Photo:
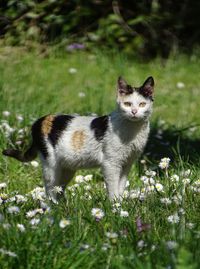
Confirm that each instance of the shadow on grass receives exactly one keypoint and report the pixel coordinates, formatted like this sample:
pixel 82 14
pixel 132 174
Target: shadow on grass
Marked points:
pixel 173 143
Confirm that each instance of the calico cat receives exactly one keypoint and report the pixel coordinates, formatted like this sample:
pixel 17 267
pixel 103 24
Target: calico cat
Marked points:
pixel 113 142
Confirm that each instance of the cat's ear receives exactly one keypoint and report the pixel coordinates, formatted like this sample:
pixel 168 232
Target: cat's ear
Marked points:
pixel 123 88
pixel 147 88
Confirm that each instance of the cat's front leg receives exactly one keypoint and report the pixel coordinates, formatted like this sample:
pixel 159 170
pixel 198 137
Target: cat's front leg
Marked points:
pixel 111 176
pixel 123 178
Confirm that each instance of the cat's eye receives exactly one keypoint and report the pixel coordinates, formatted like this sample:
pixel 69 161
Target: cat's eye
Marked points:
pixel 142 104
pixel 127 104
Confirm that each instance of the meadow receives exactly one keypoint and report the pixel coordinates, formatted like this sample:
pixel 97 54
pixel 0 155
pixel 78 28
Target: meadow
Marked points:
pixel 158 223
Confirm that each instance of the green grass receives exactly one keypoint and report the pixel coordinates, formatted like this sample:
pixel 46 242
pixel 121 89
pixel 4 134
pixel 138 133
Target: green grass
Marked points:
pixel 31 86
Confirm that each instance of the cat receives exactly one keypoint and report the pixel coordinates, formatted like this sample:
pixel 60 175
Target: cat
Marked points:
pixel 113 142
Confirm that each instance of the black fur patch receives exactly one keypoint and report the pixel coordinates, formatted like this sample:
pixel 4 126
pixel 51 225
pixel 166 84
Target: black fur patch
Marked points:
pixel 38 138
pixel 99 125
pixel 58 125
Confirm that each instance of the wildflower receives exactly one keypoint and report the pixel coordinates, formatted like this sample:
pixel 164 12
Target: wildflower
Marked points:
pixel 20 198
pixel 84 247
pixel 134 193
pixel 58 189
pixel 190 225
pixel 3 185
pixel 177 199
pixel 87 196
pixel 180 85
pixel 38 194
pixel 75 46
pixel 6 226
pixel 6 113
pixel 63 223
pixel 186 181
pixel 32 213
pixel 34 221
pixel 173 218
pixel 142 226
pixel 97 213
pixel 159 187
pixel 111 235
pixel 34 163
pixel 19 118
pixel 13 209
pixel 127 183
pixel 72 70
pixel 88 177
pixel 141 244
pixel 164 163
pixel 87 187
pixel 124 213
pixel 150 173
pixel 174 178
pixel 186 173
pixel 7 252
pixel 143 161
pixel 171 245
pixel 146 180
pixel 81 94
pixel 125 194
pixel 21 227
pixel 165 201
pixel 3 197
pixel 149 188
pixel 105 246
pixel 79 179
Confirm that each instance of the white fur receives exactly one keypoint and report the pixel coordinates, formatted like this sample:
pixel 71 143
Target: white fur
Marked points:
pixel 122 144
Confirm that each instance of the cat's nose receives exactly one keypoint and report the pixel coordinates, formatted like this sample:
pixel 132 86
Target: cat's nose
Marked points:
pixel 134 111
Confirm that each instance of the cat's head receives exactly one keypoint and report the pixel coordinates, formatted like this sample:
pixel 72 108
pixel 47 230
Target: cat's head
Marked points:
pixel 135 103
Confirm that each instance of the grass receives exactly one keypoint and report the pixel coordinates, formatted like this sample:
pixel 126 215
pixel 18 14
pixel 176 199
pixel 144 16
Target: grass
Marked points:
pixel 31 86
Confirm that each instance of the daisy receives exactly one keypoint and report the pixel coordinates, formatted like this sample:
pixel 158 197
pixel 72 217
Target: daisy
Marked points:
pixel 97 213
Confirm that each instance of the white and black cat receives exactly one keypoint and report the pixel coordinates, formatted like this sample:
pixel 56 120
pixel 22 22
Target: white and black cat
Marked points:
pixel 113 142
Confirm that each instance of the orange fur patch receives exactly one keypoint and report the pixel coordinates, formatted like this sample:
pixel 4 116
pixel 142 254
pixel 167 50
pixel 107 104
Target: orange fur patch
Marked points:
pixel 47 124
pixel 78 139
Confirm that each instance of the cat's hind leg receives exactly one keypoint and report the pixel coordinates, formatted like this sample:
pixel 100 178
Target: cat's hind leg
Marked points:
pixel 111 176
pixel 55 179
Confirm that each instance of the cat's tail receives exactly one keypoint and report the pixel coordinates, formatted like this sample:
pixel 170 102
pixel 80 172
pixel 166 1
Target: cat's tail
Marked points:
pixel 26 156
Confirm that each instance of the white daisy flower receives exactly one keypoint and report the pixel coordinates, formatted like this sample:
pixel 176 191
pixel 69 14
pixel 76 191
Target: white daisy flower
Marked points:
pixel 175 178
pixel 58 189
pixel 159 187
pixel 72 70
pixel 165 201
pixel 6 113
pixel 3 185
pixel 180 85
pixel 21 227
pixel 34 221
pixel 20 199
pixel 64 222
pixel 88 177
pixel 186 181
pixel 81 94
pixel 7 252
pixel 173 218
pixel 97 213
pixel 34 163
pixel 124 214
pixel 164 163
pixel 171 244
pixel 150 173
pixel 13 209
pixel 79 179
pixel 19 118
pixel 111 235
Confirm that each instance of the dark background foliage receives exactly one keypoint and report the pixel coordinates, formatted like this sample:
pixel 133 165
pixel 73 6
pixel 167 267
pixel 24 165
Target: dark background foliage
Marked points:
pixel 146 27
